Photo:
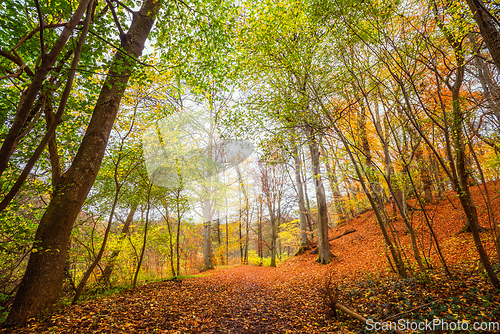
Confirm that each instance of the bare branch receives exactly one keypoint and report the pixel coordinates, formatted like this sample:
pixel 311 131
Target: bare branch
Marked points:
pixel 124 6
pixel 18 61
pixel 40 18
pixel 123 36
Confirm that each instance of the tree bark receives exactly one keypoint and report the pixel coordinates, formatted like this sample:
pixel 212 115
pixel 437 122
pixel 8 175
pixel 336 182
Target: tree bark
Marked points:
pixel 207 233
pixel 259 233
pixel 302 207
pixel 306 197
pixel 486 25
pixel 491 90
pixel 42 281
pixel 144 239
pixel 125 230
pixel 325 255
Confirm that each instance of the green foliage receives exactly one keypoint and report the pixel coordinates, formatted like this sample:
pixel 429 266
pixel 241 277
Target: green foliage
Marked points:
pixel 17 228
pixel 194 38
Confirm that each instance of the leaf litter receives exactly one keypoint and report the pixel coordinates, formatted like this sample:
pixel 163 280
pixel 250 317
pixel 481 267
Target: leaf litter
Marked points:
pixel 288 299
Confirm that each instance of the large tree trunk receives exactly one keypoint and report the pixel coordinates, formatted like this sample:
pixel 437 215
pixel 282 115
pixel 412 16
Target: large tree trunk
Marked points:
pixel 490 34
pixel 325 255
pixel 42 281
pixel 462 188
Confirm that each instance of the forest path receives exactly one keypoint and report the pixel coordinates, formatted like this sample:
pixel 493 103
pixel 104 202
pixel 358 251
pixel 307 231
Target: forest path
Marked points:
pixel 241 299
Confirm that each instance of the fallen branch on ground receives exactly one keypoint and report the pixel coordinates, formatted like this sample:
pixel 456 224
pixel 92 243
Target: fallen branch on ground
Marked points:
pixel 413 309
pixel 359 317
pixel 330 293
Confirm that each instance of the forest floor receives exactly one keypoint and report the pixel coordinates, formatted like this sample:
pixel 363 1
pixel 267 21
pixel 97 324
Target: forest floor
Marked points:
pixel 289 299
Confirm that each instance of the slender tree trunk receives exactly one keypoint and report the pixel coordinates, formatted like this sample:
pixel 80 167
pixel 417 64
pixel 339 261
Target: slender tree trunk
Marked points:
pixel 227 238
pixel 170 241
pixel 304 241
pixel 247 230
pixel 240 236
pixel 274 233
pixel 144 239
pixel 220 246
pixel 332 178
pixel 400 267
pixel 42 281
pixel 207 234
pixel 259 233
pixel 52 145
pixel 177 237
pixel 424 175
pixel 306 197
pixel 491 213
pixel 94 264
pixel 463 190
pixel 491 90
pixel 125 231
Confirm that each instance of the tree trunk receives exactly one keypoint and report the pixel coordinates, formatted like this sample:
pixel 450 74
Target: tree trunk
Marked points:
pixel 247 231
pixel 94 264
pixel 259 233
pixel 306 197
pixel 463 190
pixel 125 230
pixel 170 237
pixel 332 178
pixel 325 255
pixel 42 281
pixel 274 234
pixel 144 239
pixel 491 90
pixel 400 267
pixel 302 208
pixel 490 34
pixel 177 239
pixel 207 234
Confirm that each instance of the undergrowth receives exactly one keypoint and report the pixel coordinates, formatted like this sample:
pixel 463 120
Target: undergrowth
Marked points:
pixel 467 297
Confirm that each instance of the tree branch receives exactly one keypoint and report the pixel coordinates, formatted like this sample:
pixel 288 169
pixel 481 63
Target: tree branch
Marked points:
pixel 40 18
pixel 62 106
pixel 123 36
pixel 18 61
